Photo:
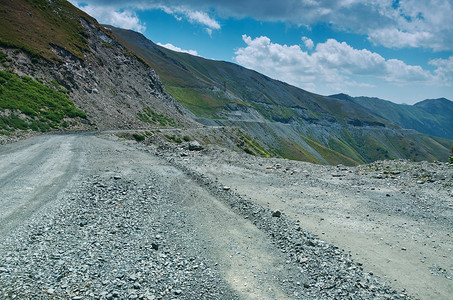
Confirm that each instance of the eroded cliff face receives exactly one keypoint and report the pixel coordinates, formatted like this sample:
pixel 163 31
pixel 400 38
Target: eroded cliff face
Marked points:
pixel 110 84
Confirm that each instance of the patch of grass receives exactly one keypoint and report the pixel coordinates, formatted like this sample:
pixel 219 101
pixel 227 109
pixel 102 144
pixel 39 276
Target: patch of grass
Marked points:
pixel 33 26
pixel 202 102
pixel 43 107
pixel 251 146
pixel 186 138
pixel 151 117
pixel 248 151
pixel 4 57
pixel 173 138
pixel 333 157
pixel 340 146
pixel 291 150
pixel 138 137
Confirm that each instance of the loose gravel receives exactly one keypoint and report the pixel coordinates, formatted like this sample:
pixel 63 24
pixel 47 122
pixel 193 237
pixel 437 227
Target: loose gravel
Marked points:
pixel 151 222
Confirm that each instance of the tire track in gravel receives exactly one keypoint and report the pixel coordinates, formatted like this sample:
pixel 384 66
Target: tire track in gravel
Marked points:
pixel 46 166
pixel 250 263
pixel 109 203
pixel 32 176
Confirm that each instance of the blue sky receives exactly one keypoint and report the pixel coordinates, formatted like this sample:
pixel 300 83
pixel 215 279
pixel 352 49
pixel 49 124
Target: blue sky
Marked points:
pixel 395 50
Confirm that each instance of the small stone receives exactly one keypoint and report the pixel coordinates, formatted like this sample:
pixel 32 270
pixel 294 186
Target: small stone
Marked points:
pixel 133 278
pixel 50 291
pixel 303 260
pixel 155 246
pixel 226 188
pixel 137 286
pixel 403 248
pixel 276 214
pixel 117 177
pixel 177 292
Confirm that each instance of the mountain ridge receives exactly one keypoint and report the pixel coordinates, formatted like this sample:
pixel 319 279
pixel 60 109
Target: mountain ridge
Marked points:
pixel 271 111
pixel 429 116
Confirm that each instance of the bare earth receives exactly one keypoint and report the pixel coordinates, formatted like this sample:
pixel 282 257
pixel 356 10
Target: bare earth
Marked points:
pixel 90 217
pixel 399 226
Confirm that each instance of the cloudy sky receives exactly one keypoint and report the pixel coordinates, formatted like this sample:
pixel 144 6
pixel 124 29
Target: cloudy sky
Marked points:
pixel 399 50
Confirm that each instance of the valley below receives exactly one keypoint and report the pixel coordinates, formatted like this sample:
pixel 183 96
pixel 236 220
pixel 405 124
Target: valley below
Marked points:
pixel 102 217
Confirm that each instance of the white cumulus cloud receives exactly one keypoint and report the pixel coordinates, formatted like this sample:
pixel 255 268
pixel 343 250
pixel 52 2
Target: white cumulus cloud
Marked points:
pixel 332 65
pixel 121 18
pixel 395 38
pixel 444 69
pixel 202 18
pixel 175 48
pixel 193 16
pixel 308 43
pixel 391 23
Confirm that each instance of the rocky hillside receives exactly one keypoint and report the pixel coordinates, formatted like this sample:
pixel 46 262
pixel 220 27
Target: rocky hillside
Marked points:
pixel 285 121
pixel 431 116
pixel 64 49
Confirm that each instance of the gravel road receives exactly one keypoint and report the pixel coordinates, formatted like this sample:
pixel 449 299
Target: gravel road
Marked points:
pixel 89 217
pixel 395 217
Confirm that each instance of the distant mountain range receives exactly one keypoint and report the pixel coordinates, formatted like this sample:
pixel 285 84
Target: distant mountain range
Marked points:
pixel 431 116
pixel 289 121
pixel 118 79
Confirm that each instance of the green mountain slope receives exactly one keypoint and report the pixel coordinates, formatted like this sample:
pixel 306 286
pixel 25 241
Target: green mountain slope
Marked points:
pixel 432 116
pixel 286 120
pixel 210 88
pixel 43 107
pixel 72 64
pixel 35 25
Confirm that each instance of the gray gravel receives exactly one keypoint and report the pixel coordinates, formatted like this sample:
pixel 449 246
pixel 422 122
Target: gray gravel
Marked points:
pixel 140 222
pixel 393 218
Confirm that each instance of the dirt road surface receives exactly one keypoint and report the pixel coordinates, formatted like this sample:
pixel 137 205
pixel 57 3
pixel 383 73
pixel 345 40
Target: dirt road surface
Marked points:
pixel 88 217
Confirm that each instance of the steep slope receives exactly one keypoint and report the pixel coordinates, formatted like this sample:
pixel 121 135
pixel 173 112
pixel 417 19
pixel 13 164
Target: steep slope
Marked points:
pixel 58 45
pixel 432 116
pixel 287 121
pixel 442 110
pixel 222 86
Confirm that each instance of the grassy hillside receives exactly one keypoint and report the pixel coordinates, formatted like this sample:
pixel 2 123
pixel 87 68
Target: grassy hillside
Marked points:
pixel 299 124
pixel 30 25
pixel 433 117
pixel 208 87
pixel 320 129
pixel 28 104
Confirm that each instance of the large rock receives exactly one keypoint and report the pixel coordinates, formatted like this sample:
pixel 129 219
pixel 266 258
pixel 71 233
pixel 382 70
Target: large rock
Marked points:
pixel 195 146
